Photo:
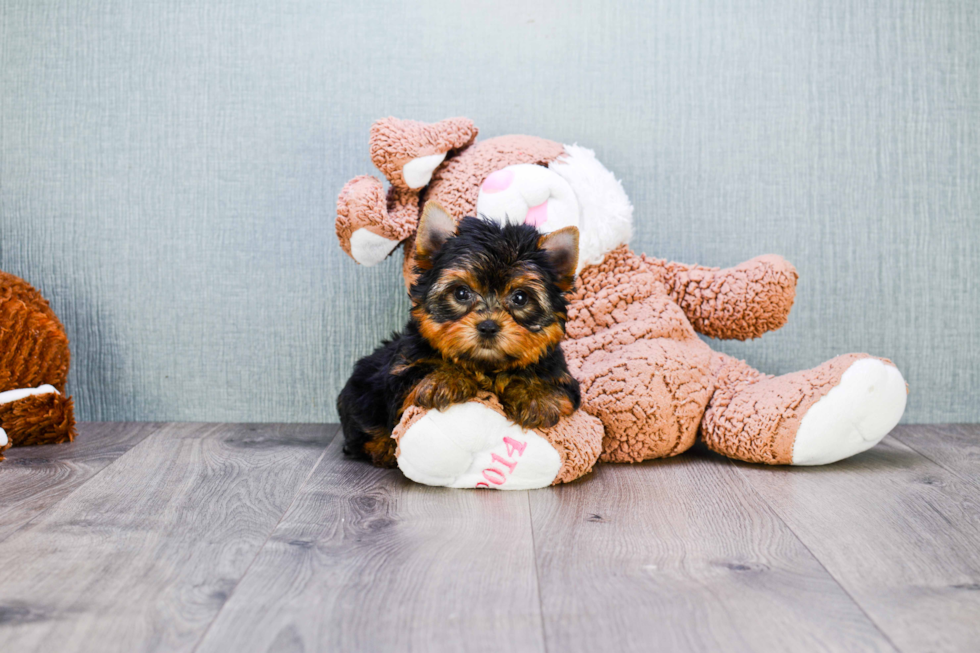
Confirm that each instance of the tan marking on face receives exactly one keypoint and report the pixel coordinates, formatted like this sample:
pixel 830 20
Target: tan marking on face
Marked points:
pixel 524 347
pixel 452 277
pixel 514 347
pixel 528 280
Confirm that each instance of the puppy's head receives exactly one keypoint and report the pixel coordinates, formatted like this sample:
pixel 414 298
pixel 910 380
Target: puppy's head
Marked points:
pixel 488 295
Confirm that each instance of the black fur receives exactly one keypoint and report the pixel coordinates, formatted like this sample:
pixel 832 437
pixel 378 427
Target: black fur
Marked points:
pixel 371 403
pixel 492 252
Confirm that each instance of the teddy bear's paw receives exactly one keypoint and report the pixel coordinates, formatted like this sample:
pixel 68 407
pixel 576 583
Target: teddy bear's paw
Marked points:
pixel 854 416
pixel 418 171
pixel 362 222
pixel 469 445
pixel 368 248
pixel 3 438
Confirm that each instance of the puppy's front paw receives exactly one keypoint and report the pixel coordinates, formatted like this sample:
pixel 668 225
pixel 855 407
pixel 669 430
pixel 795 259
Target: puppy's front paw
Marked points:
pixel 535 408
pixel 441 389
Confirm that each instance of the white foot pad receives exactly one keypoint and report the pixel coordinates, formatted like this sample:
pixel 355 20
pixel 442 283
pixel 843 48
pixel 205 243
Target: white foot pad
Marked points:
pixel 471 446
pixel 368 248
pixel 418 172
pixel 854 416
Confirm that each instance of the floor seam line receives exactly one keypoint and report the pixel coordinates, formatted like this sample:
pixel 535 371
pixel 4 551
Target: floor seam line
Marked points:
pixel 84 483
pixel 258 552
pixel 830 574
pixel 954 472
pixel 537 572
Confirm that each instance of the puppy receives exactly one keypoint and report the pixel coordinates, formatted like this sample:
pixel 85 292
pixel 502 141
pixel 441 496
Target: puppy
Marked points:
pixel 488 313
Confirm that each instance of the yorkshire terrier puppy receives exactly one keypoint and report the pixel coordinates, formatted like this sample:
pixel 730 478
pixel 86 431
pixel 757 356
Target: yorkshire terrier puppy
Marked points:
pixel 488 313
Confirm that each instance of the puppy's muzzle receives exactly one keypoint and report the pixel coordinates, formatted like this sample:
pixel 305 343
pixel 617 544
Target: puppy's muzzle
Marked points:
pixel 488 328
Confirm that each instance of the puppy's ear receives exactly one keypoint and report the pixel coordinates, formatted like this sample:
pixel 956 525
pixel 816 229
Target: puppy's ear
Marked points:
pixel 436 226
pixel 561 248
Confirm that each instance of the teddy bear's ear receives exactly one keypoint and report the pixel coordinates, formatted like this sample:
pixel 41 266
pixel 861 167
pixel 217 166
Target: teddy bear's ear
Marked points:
pixel 562 249
pixel 436 226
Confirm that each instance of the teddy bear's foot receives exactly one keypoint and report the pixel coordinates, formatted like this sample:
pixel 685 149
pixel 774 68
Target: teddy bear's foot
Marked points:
pixel 812 417
pixel 853 416
pixel 470 445
pixel 474 445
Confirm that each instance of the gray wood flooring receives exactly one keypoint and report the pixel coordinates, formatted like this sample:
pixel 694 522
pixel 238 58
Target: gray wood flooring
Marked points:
pixel 244 537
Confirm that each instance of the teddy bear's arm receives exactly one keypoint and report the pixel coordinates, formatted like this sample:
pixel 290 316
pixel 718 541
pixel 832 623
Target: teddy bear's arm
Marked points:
pixel 739 303
pixel 371 223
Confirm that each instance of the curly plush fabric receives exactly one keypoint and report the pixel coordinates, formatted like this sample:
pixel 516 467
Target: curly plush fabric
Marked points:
pixel 33 352
pixel 39 419
pixel 361 204
pixel 738 303
pixel 395 142
pixel 33 345
pixel 578 440
pixel 755 417
pixel 456 184
pixel 644 372
pixel 12 287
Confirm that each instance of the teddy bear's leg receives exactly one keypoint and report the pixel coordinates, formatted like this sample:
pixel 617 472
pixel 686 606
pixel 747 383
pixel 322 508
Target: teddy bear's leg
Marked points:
pixel 813 417
pixel 473 445
pixel 648 394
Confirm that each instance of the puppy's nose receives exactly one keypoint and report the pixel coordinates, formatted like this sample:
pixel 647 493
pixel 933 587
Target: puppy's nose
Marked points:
pixel 488 328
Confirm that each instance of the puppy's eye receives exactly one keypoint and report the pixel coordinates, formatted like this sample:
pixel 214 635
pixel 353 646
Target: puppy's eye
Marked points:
pixel 519 298
pixel 462 294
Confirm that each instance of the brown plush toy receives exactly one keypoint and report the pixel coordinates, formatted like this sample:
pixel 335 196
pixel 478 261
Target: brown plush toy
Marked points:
pixel 650 385
pixel 34 361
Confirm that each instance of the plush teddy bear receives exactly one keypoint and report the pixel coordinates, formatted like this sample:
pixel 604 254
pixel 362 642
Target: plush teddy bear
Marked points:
pixel 649 383
pixel 34 361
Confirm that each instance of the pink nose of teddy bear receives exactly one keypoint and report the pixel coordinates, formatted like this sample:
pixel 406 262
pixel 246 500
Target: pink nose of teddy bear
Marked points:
pixel 498 181
pixel 537 215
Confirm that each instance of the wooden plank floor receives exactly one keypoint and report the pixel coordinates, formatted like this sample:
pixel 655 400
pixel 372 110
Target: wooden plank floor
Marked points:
pixel 237 537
